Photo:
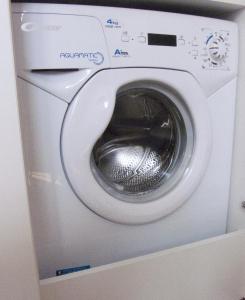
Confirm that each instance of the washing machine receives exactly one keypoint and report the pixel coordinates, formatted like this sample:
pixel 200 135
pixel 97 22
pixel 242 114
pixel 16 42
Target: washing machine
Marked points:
pixel 127 126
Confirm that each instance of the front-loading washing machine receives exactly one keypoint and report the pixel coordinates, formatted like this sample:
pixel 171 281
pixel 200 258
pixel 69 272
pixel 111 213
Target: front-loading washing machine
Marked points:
pixel 127 125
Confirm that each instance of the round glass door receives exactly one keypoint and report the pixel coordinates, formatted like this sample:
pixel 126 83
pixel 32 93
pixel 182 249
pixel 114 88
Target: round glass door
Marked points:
pixel 146 148
pixel 135 143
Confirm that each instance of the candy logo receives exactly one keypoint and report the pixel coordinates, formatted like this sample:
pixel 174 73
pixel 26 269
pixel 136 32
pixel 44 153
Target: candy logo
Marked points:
pixel 29 26
pixel 96 57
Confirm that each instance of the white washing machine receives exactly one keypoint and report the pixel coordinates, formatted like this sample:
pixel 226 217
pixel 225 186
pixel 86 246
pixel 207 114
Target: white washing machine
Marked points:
pixel 127 123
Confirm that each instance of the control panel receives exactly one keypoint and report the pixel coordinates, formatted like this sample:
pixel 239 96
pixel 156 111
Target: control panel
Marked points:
pixel 211 49
pixel 206 48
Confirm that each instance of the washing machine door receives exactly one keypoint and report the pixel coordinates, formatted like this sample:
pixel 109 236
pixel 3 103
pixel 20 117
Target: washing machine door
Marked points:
pixel 135 143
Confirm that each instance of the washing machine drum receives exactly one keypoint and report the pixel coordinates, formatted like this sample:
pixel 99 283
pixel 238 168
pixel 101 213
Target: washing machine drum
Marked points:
pixel 143 145
pixel 135 143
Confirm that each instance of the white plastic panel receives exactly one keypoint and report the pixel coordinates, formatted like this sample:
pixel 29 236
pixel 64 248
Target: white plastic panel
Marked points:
pixel 63 84
pixel 123 34
pixel 128 44
pixel 211 269
pixel 56 41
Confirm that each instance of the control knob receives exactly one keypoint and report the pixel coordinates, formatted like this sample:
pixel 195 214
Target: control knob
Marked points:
pixel 217 49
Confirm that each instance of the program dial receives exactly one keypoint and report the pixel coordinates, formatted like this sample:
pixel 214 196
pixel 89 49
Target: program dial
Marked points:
pixel 217 48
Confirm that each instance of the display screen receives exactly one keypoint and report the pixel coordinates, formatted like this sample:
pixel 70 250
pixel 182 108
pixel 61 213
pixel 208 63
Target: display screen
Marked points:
pixel 162 39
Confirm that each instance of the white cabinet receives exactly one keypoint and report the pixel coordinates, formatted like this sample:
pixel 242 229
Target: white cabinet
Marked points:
pixel 18 278
pixel 211 269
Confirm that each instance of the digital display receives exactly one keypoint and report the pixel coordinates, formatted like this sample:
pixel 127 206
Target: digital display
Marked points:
pixel 155 39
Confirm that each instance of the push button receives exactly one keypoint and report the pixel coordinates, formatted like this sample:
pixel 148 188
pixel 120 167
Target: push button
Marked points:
pixel 141 39
pixel 181 42
pixel 125 37
pixel 195 43
pixel 194 53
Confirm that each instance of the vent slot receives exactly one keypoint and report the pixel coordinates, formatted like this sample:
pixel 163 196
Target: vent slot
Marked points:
pixel 54 70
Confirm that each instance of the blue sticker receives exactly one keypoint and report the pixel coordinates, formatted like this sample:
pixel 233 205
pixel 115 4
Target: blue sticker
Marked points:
pixel 71 270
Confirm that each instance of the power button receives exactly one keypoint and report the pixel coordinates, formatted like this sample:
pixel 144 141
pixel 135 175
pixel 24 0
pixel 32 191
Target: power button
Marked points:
pixel 141 39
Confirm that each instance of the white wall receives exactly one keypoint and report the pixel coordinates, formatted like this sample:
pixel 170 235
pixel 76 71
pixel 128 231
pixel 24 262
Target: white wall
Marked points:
pixel 237 213
pixel 18 272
